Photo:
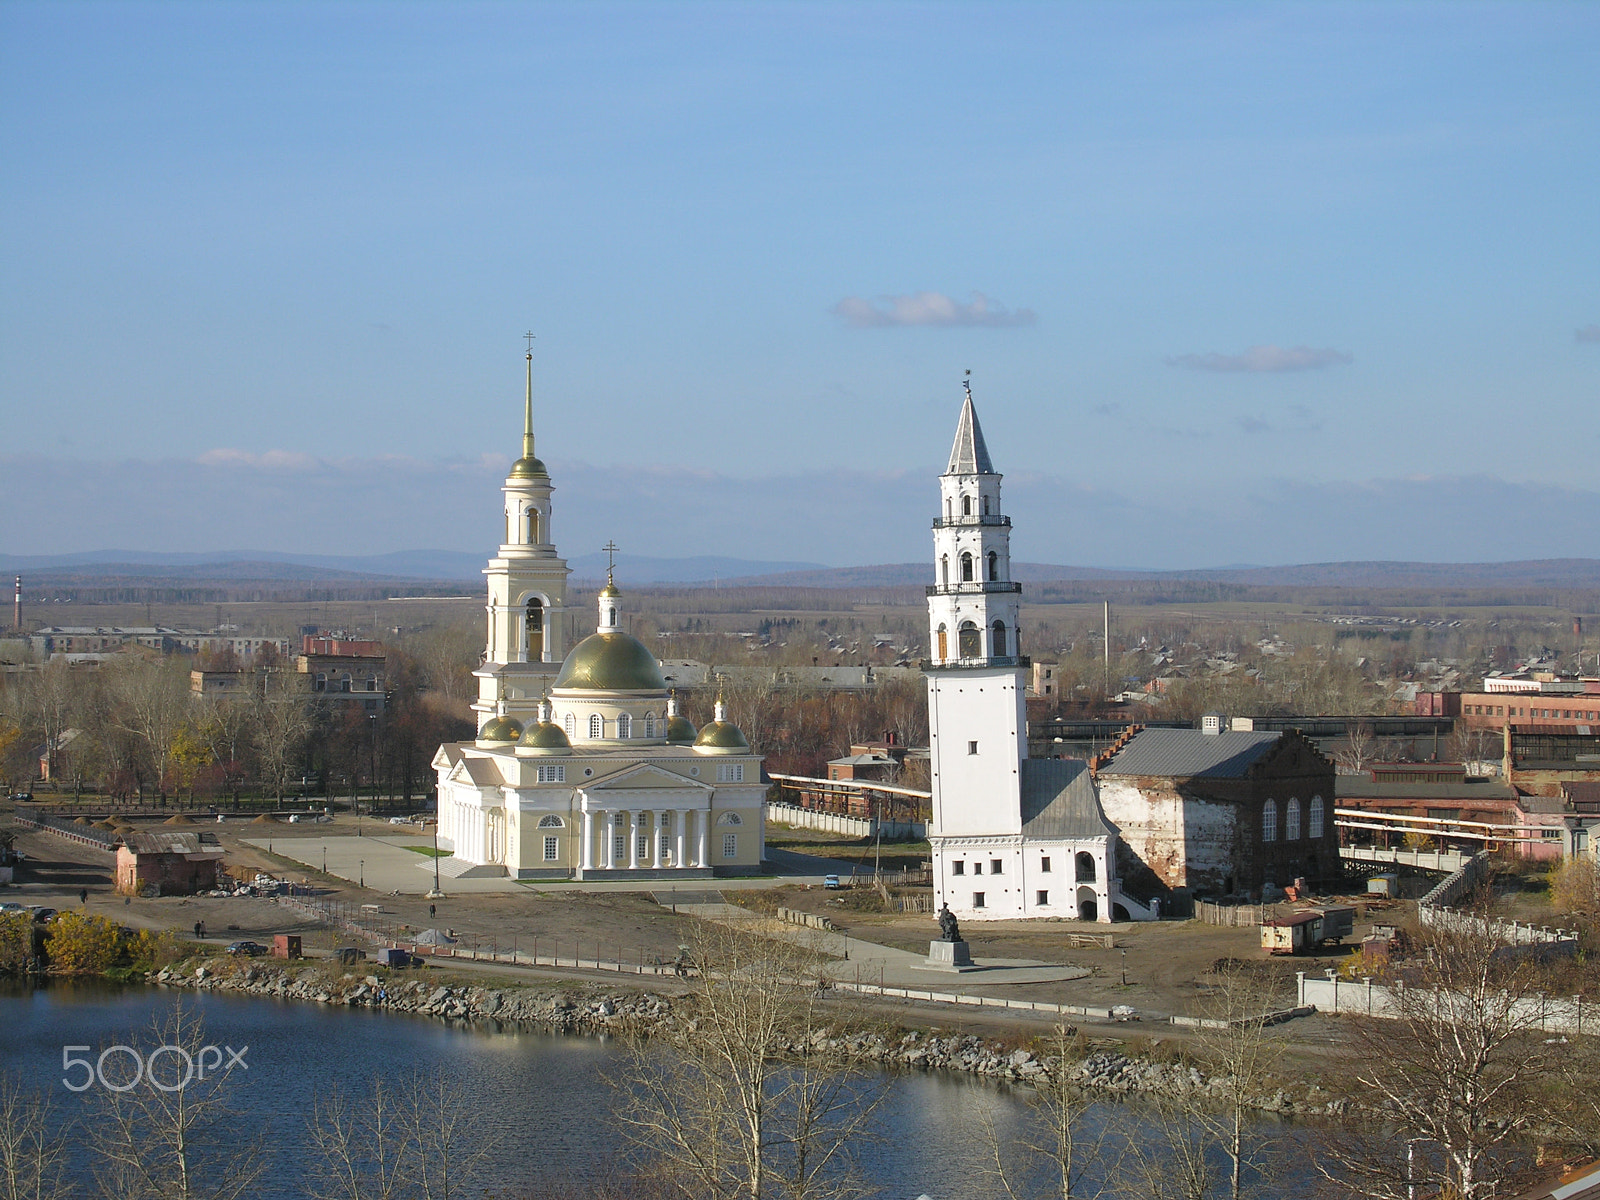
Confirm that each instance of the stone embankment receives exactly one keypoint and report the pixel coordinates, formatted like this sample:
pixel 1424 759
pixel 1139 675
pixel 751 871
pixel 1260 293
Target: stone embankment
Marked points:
pixel 599 1011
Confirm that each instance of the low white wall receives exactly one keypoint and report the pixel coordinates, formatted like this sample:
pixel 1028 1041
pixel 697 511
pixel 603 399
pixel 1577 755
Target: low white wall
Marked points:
pixel 808 818
pixel 1559 1015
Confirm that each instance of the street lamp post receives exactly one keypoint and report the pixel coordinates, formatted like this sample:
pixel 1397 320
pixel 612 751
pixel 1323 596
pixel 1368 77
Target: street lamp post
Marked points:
pixel 373 718
pixel 362 869
pixel 437 893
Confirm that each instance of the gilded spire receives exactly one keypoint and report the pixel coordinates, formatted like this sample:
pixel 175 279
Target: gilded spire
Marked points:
pixel 528 467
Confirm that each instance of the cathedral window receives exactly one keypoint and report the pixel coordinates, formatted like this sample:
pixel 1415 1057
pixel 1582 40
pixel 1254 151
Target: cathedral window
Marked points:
pixel 966 568
pixel 966 506
pixel 624 725
pixel 986 506
pixel 649 725
pixel 1269 821
pixel 731 818
pixel 730 772
pixel 1085 865
pixel 619 847
pixel 1291 821
pixel 944 569
pixel 944 644
pixel 611 616
pixel 552 773
pixel 994 567
pixel 666 846
pixel 533 623
pixel 533 526
pixel 730 845
pixel 1314 818
pixel 999 639
pixel 552 849
pixel 597 727
pixel 571 725
pixel 643 845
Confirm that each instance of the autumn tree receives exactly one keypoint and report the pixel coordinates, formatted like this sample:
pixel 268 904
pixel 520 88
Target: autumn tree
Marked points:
pixel 81 943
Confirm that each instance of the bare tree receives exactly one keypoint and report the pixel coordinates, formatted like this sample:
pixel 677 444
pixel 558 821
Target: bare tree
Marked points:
pixel 282 722
pixel 740 1102
pixel 1458 1070
pixel 152 702
pixel 173 1135
pixel 33 1145
pixel 1359 749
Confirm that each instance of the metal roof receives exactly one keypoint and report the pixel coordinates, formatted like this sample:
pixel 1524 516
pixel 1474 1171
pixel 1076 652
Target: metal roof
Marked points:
pixel 968 455
pixel 1188 752
pixel 1059 800
pixel 1359 787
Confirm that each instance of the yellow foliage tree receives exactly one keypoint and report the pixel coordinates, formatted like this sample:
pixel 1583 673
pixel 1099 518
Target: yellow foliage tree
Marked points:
pixel 16 941
pixel 81 944
pixel 189 753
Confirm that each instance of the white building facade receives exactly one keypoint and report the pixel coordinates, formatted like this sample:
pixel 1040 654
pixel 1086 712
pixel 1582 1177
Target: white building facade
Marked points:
pixel 1011 836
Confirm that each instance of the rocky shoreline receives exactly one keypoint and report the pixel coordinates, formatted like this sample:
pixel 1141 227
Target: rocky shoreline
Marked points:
pixel 596 1010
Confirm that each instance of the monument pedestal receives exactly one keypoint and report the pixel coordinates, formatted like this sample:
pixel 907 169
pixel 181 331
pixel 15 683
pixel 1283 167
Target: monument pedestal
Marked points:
pixel 949 956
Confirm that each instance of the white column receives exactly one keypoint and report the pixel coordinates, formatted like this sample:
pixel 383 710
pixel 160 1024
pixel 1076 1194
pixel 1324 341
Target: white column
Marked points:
pixel 654 857
pixel 705 826
pixel 588 840
pixel 633 841
pixel 607 851
pixel 681 817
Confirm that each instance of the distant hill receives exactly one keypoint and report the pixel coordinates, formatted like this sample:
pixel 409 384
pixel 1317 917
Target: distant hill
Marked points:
pixel 457 566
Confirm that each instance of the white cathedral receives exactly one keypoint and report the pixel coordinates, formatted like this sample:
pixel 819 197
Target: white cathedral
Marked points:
pixel 583 767
pixel 1011 836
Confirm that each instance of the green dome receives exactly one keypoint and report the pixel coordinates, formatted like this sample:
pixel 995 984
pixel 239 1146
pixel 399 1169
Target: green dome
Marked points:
pixel 546 736
pixel 680 731
pixel 500 729
pixel 611 662
pixel 722 737
pixel 528 468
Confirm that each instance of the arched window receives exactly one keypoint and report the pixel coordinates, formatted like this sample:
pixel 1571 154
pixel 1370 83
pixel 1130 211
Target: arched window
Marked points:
pixel 1084 861
pixel 1314 819
pixel 571 725
pixel 533 526
pixel 597 727
pixel 994 567
pixel 966 568
pixel 1269 821
pixel 729 819
pixel 625 725
pixel 944 644
pixel 551 822
pixel 969 640
pixel 999 650
pixel 966 506
pixel 947 508
pixel 649 725
pixel 944 568
pixel 611 616
pixel 535 627
pixel 986 506
pixel 1291 821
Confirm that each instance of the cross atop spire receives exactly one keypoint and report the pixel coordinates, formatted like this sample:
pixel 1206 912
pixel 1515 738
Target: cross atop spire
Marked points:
pixel 527 404
pixel 969 456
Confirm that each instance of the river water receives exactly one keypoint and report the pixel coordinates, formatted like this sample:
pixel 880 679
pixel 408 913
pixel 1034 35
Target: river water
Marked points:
pixel 548 1090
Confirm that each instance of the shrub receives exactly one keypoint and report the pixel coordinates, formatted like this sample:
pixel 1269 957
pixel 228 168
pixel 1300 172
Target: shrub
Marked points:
pixel 81 944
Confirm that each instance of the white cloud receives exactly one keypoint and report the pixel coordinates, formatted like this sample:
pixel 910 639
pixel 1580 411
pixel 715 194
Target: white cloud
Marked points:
pixel 272 460
pixel 1264 358
pixel 1589 333
pixel 930 308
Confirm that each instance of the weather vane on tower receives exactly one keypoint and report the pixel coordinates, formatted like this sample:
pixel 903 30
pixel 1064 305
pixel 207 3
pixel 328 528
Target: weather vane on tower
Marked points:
pixel 532 339
pixel 967 383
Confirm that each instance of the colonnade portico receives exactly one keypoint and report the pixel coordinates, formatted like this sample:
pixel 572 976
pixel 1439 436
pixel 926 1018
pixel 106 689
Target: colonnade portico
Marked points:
pixel 633 827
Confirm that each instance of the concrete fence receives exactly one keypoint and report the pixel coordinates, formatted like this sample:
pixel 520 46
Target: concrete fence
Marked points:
pixel 864 827
pixel 1515 933
pixel 1365 998
pixel 84 835
pixel 793 916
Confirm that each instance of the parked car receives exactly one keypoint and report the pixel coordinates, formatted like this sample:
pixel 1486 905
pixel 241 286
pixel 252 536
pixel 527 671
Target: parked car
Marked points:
pixel 247 949
pixel 11 907
pixel 41 913
pixel 831 882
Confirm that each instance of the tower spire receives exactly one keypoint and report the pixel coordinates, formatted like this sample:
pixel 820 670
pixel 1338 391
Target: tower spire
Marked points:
pixel 527 405
pixel 969 455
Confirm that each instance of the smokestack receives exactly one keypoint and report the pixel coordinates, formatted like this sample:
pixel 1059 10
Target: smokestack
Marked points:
pixel 16 607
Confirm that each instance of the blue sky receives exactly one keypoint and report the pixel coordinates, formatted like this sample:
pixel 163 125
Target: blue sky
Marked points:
pixel 1237 283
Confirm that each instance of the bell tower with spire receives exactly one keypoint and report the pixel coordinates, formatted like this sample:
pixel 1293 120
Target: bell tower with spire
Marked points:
pixel 977 719
pixel 527 589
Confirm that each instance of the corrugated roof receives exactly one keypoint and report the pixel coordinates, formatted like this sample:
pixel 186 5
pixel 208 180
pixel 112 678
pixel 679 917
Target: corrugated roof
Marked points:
pixel 1059 800
pixel 153 842
pixel 1188 752
pixel 1359 787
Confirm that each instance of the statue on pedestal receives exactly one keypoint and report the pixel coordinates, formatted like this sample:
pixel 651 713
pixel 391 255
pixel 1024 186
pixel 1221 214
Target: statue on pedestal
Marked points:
pixel 948 929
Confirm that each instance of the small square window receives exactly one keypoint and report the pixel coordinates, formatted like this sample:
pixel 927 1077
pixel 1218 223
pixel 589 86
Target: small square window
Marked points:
pixel 958 867
pixel 977 899
pixel 1044 897
pixel 972 747
pixel 977 868
pixel 1044 864
pixel 995 866
pixel 551 849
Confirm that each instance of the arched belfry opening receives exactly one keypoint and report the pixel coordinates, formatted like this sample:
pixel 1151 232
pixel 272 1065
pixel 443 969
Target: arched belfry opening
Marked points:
pixel 999 650
pixel 534 623
pixel 994 567
pixel 533 526
pixel 944 643
pixel 969 640
pixel 966 568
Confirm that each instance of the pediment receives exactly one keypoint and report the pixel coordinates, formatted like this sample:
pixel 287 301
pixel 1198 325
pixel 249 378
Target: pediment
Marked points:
pixel 644 776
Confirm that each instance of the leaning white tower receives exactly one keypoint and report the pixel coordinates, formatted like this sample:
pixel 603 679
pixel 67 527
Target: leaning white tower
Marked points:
pixel 527 615
pixel 976 714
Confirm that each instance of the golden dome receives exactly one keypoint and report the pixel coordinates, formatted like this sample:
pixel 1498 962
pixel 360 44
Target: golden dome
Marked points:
pixel 500 729
pixel 546 737
pixel 722 737
pixel 611 662
pixel 680 730
pixel 528 468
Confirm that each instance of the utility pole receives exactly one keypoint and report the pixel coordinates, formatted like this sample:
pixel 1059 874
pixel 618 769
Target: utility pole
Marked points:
pixel 1107 647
